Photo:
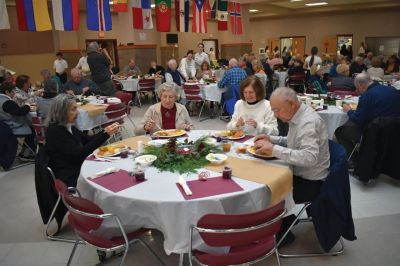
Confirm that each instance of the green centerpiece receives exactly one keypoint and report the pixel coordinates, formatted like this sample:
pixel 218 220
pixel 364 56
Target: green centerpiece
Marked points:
pixel 183 157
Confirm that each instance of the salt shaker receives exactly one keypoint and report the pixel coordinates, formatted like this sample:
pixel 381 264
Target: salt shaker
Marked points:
pixel 140 146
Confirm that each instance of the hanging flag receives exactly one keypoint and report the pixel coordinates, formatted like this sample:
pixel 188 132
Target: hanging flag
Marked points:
pixel 65 15
pixel 4 22
pixel 120 6
pixel 98 17
pixel 182 15
pixel 33 15
pixel 213 5
pixel 141 12
pixel 235 18
pixel 163 15
pixel 199 23
pixel 222 15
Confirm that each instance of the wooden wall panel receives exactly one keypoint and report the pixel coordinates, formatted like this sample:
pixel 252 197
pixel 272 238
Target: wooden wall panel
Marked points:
pixel 142 54
pixel 14 41
pixel 167 53
pixel 235 49
pixel 72 57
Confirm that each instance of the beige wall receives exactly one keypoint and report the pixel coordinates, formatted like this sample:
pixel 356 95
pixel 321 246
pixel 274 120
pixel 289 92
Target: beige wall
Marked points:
pixel 315 28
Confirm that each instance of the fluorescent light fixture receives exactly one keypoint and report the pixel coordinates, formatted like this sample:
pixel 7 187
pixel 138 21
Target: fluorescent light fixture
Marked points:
pixel 254 10
pixel 317 4
pixel 296 0
pixel 152 5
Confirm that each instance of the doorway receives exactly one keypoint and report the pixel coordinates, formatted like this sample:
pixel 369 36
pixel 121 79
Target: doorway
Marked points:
pixel 111 46
pixel 344 41
pixel 295 45
pixel 211 43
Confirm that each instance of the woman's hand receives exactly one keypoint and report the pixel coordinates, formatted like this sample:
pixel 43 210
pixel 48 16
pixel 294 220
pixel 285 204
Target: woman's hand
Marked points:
pixel 185 127
pixel 112 129
pixel 240 122
pixel 251 122
pixel 149 125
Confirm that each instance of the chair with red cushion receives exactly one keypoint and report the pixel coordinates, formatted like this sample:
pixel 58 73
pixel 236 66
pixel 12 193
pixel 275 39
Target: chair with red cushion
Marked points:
pixel 193 94
pixel 87 218
pixel 297 80
pixel 115 113
pixel 146 85
pixel 250 236
pixel 40 129
pixel 343 91
pixel 126 98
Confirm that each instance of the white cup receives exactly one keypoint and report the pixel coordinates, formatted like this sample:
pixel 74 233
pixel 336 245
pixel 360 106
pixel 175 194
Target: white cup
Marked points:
pixel 140 146
pixel 308 101
pixel 339 103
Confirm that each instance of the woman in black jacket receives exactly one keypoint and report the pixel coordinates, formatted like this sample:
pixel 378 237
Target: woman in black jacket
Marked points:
pixel 66 146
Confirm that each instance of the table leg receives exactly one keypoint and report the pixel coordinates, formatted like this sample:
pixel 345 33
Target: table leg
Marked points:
pixel 181 257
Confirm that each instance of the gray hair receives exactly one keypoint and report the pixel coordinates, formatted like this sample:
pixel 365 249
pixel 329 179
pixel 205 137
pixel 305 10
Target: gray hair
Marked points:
pixel 285 93
pixel 58 112
pixel 362 79
pixel 233 62
pixel 167 86
pixel 45 73
pixel 92 47
pixel 172 61
pixel 50 86
pixel 76 71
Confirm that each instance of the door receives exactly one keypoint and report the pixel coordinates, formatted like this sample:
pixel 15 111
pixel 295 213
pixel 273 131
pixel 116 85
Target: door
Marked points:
pixel 211 44
pixel 295 45
pixel 111 46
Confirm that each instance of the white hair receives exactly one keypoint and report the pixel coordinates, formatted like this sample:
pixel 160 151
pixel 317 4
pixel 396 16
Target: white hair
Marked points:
pixel 171 61
pixel 167 86
pixel 285 93
pixel 362 79
pixel 233 62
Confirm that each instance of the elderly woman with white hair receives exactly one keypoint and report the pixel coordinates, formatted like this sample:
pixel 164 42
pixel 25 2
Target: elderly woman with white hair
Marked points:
pixel 167 114
pixel 172 75
pixel 342 80
pixel 66 146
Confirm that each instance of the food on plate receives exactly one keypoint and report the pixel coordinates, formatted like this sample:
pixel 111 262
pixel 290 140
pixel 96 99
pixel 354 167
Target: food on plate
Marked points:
pixel 241 149
pixel 170 133
pixel 233 134
pixel 252 150
pixel 109 150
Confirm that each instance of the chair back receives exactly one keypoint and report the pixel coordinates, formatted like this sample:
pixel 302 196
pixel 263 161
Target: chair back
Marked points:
pixel 192 92
pixel 343 91
pixel 126 98
pixel 239 229
pixel 232 96
pixel 39 128
pixel 146 84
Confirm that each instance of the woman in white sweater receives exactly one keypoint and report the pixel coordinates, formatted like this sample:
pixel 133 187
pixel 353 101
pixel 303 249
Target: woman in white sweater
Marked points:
pixel 253 113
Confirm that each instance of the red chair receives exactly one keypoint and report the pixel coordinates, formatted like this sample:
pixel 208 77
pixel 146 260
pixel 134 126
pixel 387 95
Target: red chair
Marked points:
pixel 251 236
pixel 343 91
pixel 146 85
pixel 40 129
pixel 87 218
pixel 193 94
pixel 115 113
pixel 126 98
pixel 297 80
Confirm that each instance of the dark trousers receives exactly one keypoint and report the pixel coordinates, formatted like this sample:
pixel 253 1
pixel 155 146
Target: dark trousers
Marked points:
pixel 107 88
pixel 348 136
pixel 63 77
pixel 305 190
pixel 30 140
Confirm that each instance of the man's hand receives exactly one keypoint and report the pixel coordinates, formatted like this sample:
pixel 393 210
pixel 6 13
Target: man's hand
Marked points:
pixel 346 108
pixel 262 137
pixel 264 147
pixel 84 90
pixel 240 122
pixel 251 122
pixel 112 129
pixel 70 92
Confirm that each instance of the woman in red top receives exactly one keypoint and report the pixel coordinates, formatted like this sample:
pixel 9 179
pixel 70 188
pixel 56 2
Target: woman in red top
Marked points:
pixel 167 114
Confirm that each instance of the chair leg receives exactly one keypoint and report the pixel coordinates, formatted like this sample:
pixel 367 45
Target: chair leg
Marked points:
pixel 151 251
pixel 138 98
pixel 277 257
pixel 317 254
pixel 181 256
pixel 72 252
pixel 124 256
pixel 353 151
pixel 201 110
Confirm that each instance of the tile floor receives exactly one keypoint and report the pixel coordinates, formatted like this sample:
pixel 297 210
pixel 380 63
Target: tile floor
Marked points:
pixel 376 212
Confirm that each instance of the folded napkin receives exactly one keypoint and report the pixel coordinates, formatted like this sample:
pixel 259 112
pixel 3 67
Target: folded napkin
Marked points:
pixel 182 182
pixel 106 172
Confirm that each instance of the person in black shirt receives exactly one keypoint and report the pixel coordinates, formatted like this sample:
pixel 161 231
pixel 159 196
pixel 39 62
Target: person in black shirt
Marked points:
pixel 357 66
pixel 156 69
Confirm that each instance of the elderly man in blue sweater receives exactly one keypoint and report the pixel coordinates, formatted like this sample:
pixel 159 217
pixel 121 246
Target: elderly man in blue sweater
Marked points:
pixel 375 101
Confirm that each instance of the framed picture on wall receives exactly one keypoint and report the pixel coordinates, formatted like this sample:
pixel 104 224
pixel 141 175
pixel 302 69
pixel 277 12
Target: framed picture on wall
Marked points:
pixel 261 50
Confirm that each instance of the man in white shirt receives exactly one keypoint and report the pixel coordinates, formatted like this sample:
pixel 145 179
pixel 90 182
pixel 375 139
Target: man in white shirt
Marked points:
pixel 201 56
pixel 60 66
pixel 305 148
pixel 187 67
pixel 83 64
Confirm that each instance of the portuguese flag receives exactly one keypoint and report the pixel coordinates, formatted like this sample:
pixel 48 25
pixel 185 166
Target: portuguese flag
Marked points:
pixel 163 15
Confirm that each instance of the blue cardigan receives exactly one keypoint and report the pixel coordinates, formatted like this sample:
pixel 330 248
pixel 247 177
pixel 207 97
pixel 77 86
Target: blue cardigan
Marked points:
pixel 377 101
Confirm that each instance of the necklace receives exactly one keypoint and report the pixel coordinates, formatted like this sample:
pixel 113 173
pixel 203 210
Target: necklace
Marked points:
pixel 167 114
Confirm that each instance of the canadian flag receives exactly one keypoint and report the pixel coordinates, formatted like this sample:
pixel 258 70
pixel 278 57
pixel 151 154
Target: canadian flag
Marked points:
pixel 141 12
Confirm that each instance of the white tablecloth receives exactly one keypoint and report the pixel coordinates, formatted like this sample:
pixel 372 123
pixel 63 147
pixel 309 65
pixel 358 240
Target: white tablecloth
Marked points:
pixel 334 118
pixel 157 203
pixel 131 84
pixel 209 92
pixel 282 75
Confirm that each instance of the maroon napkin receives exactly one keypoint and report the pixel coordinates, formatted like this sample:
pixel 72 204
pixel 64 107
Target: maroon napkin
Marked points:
pixel 247 137
pixel 116 182
pixel 213 186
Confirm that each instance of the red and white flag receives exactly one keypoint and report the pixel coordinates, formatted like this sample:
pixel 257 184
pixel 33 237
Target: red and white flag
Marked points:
pixel 235 18
pixel 199 23
pixel 141 12
pixel 4 21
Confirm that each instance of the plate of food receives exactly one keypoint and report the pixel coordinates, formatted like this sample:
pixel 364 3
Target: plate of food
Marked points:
pixel 169 133
pixel 231 134
pixel 109 150
pixel 252 151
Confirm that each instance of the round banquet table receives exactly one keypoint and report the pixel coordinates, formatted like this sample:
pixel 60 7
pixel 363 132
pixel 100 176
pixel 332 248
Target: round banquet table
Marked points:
pixel 158 204
pixel 334 118
pixel 131 84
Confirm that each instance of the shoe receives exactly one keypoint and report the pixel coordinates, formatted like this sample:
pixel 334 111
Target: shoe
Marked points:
pixel 289 239
pixel 29 158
